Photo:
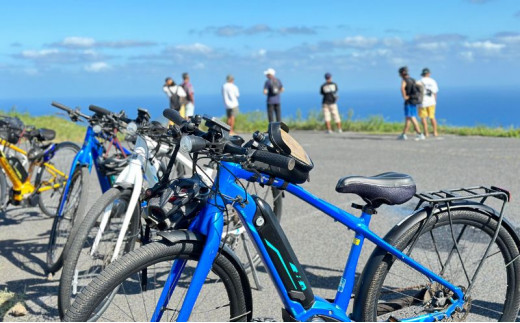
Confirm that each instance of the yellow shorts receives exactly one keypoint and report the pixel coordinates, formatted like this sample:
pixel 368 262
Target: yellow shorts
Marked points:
pixel 427 112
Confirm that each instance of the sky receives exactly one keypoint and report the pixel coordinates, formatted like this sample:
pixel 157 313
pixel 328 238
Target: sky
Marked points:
pixel 127 48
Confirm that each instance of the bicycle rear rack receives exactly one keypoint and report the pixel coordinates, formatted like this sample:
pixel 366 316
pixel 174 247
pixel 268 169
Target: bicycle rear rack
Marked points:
pixel 445 198
pixel 459 194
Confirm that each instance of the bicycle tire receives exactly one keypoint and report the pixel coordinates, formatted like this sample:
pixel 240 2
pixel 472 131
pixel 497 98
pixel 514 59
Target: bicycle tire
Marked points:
pixel 3 191
pixel 381 263
pixel 83 239
pixel 50 205
pixel 116 274
pixel 71 214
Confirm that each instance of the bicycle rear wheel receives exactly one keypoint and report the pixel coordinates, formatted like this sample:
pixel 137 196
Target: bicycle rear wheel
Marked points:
pixel 134 283
pixel 62 161
pixel 396 291
pixel 63 226
pixel 90 250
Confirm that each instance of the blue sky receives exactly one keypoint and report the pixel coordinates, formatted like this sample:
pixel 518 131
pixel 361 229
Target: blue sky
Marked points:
pixel 127 48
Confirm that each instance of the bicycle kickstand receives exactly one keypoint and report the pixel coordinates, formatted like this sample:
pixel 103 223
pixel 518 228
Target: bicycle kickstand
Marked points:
pixel 251 263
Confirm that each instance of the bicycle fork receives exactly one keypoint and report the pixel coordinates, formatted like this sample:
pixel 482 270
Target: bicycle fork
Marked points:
pixel 211 225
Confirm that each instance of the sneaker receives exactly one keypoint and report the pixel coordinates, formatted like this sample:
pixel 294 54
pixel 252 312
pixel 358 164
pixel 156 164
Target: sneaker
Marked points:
pixel 340 131
pixel 402 137
pixel 328 131
pixel 420 137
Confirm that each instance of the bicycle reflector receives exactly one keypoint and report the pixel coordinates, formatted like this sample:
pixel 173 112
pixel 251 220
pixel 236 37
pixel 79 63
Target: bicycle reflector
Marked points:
pixel 509 197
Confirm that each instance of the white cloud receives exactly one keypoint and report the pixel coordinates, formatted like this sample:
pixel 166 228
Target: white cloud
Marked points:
pixel 39 53
pixel 97 67
pixel 393 42
pixel 485 45
pixel 196 48
pixel 357 42
pixel 433 46
pixel 78 42
pixel 468 56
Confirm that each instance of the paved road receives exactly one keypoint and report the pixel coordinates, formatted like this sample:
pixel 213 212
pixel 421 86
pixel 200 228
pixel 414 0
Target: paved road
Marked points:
pixel 321 245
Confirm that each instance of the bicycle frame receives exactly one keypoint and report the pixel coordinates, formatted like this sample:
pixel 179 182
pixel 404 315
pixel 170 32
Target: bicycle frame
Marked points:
pixel 88 155
pixel 210 222
pixel 22 189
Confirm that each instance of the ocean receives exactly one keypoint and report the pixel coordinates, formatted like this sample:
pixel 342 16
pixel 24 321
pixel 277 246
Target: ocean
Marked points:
pixel 455 106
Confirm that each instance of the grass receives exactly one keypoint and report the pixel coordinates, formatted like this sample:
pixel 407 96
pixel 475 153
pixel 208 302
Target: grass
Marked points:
pixel 65 129
pixel 252 121
pixel 256 120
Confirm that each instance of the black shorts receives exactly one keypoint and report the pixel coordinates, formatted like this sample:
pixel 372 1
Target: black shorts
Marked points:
pixel 231 112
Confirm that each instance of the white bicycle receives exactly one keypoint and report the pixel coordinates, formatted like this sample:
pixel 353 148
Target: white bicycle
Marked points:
pixel 119 219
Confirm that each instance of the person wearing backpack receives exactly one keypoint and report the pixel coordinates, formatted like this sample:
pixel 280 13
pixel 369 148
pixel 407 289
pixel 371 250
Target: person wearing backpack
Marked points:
pixel 272 88
pixel 175 93
pixel 427 108
pixel 412 95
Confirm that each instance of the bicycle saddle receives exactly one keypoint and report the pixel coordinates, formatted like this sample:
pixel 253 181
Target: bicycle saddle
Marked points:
pixel 387 188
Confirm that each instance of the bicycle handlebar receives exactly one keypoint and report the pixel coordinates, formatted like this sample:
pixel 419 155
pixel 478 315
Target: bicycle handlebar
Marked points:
pixel 273 159
pixel 62 107
pixel 100 110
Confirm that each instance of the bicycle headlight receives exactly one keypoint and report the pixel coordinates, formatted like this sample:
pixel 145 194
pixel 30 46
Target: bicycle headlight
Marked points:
pixel 186 144
pixel 97 128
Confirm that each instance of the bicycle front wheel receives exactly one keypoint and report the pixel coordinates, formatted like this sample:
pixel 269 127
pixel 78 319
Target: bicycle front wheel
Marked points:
pixel 51 181
pixel 134 283
pixel 92 247
pixel 396 291
pixel 63 225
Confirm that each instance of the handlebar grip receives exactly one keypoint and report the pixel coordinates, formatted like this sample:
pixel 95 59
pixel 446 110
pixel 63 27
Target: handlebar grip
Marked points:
pixel 234 149
pixel 61 106
pixel 274 159
pixel 193 144
pixel 96 109
pixel 174 116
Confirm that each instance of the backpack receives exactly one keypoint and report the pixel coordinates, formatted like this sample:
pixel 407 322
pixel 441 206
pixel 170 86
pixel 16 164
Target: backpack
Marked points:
pixel 275 86
pixel 416 91
pixel 11 129
pixel 175 100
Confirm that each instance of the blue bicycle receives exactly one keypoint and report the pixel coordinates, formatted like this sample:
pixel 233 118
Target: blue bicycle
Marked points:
pixel 454 258
pixel 102 131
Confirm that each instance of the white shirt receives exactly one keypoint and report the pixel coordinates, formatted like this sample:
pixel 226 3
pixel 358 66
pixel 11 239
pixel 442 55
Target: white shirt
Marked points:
pixel 429 92
pixel 169 90
pixel 230 94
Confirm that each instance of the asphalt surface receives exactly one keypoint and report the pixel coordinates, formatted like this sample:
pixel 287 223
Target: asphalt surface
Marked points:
pixel 321 244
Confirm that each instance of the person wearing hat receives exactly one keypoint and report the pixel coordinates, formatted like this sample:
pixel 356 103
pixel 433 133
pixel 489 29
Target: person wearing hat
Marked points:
pixel 175 93
pixel 429 101
pixel 230 94
pixel 410 92
pixel 272 88
pixel 329 90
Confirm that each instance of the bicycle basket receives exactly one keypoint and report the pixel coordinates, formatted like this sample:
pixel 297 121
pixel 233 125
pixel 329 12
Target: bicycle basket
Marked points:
pixel 11 129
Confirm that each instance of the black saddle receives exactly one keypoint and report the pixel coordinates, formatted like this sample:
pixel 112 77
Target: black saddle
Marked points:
pixel 387 188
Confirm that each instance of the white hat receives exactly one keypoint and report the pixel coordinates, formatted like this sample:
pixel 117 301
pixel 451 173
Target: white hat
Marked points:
pixel 270 71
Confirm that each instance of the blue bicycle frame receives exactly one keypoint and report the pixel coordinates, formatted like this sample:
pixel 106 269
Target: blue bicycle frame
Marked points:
pixel 210 222
pixel 88 155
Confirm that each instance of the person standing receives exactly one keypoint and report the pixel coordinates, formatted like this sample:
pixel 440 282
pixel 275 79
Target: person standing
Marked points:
pixel 329 90
pixel 272 88
pixel 230 94
pixel 175 93
pixel 411 93
pixel 429 101
pixel 190 99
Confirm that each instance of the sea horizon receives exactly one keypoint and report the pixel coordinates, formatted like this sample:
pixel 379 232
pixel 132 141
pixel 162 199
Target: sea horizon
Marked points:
pixel 493 107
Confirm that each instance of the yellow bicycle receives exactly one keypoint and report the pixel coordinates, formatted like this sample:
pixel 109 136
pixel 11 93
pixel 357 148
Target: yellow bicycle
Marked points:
pixel 36 176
